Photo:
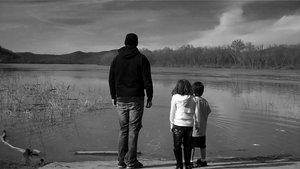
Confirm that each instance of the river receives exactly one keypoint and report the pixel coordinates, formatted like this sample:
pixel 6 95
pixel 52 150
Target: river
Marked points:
pixel 254 113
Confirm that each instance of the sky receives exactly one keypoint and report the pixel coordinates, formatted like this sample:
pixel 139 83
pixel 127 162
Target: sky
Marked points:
pixel 64 26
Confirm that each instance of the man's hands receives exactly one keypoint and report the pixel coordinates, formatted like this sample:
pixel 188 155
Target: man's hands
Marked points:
pixel 114 102
pixel 148 104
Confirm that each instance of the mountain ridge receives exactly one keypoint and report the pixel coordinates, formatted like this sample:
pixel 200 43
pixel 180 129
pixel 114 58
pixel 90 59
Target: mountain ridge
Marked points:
pixel 77 57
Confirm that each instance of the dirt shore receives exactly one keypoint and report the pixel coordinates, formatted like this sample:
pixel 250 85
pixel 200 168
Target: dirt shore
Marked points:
pixel 275 164
pixel 268 162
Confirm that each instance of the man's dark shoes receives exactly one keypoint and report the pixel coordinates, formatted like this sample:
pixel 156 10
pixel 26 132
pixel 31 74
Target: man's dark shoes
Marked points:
pixel 200 163
pixel 136 165
pixel 121 165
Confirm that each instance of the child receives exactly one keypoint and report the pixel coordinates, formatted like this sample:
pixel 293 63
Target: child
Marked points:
pixel 202 111
pixel 181 121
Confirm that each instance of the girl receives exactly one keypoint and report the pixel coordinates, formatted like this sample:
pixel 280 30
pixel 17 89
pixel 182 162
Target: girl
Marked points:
pixel 181 121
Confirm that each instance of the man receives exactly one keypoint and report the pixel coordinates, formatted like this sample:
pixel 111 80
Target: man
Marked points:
pixel 129 76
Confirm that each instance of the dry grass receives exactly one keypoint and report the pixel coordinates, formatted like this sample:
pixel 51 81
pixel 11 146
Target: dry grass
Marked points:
pixel 43 102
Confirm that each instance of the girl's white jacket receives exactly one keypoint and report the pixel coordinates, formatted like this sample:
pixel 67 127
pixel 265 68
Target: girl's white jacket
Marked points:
pixel 182 110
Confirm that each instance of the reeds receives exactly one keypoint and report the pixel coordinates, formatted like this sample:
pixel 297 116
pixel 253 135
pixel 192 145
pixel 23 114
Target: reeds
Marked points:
pixel 42 102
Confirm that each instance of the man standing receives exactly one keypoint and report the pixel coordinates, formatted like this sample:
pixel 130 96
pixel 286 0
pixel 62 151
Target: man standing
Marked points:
pixel 129 76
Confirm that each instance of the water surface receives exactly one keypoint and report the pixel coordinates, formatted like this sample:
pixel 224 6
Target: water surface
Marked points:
pixel 254 113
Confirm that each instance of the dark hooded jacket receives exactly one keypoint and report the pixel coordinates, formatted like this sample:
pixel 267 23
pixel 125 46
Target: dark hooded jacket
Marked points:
pixel 130 74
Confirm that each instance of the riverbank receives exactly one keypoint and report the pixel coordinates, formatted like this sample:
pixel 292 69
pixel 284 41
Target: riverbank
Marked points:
pixel 279 163
pixel 267 162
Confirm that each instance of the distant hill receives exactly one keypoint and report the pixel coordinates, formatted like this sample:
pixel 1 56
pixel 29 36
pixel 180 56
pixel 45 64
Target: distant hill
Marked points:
pixel 79 57
pixel 6 55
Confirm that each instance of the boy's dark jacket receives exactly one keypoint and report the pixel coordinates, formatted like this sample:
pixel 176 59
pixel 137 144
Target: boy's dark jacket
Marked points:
pixel 130 74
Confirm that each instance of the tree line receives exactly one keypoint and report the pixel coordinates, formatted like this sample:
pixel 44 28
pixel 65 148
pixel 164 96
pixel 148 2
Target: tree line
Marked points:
pixel 237 54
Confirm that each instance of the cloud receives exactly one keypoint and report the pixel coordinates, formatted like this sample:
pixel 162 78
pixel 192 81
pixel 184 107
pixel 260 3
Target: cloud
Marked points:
pixel 288 23
pixel 234 25
pixel 41 25
pixel 102 23
pixel 10 26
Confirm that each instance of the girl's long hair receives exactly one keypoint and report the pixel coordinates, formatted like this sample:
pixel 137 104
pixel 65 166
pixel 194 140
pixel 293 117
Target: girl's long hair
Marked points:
pixel 183 87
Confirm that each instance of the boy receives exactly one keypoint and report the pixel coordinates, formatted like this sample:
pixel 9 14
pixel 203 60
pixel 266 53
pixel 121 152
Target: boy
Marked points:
pixel 202 111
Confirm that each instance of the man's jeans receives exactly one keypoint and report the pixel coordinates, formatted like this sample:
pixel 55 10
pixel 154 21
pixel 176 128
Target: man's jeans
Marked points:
pixel 130 119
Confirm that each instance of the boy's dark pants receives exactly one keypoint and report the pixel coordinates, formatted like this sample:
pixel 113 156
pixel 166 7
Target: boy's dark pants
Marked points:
pixel 182 135
pixel 130 119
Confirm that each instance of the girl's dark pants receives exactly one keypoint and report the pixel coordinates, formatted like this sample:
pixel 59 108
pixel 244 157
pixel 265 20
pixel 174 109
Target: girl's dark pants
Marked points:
pixel 182 135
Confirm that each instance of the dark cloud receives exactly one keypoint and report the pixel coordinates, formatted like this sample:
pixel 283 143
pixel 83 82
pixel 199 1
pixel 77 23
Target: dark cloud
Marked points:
pixel 200 5
pixel 167 18
pixel 72 21
pixel 194 11
pixel 271 9
pixel 32 1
